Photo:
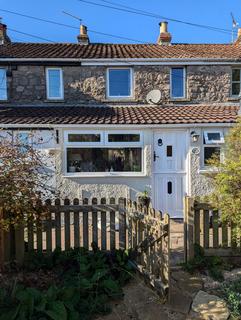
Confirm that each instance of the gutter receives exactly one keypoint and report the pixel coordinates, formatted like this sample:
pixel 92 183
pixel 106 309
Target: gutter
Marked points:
pixel 124 61
pixel 114 126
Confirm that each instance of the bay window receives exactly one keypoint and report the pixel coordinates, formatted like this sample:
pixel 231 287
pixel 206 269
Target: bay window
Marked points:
pixel 103 152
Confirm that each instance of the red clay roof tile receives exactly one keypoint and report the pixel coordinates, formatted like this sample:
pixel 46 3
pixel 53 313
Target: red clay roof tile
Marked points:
pixel 138 115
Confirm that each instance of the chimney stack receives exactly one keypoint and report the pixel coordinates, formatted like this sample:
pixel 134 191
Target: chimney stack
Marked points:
pixel 165 37
pixel 83 37
pixel 239 35
pixel 4 38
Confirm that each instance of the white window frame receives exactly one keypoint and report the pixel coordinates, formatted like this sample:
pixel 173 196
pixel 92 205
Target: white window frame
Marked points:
pixel 61 97
pixel 93 143
pixel 131 143
pixel 131 83
pixel 235 95
pixel 103 144
pixel 208 141
pixel 212 143
pixel 5 86
pixel 184 83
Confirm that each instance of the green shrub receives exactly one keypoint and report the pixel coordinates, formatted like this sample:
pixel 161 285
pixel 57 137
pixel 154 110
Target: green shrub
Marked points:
pixel 214 265
pixel 232 294
pixel 88 280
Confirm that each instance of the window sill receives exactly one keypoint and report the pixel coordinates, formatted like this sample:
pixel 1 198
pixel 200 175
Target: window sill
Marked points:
pixel 55 100
pixel 180 99
pixel 104 175
pixel 124 99
pixel 207 170
pixel 234 98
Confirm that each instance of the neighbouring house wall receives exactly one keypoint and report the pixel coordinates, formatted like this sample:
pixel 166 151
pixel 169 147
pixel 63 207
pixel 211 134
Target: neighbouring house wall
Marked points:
pixel 87 84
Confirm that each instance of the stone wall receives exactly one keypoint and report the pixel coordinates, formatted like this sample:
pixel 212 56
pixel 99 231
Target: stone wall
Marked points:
pixel 87 84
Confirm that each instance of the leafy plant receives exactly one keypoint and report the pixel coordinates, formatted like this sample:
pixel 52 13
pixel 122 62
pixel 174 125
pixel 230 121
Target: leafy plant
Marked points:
pixel 214 265
pixel 226 179
pixel 88 280
pixel 232 294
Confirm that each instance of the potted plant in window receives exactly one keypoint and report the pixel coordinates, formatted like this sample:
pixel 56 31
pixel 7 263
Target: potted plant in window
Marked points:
pixel 144 198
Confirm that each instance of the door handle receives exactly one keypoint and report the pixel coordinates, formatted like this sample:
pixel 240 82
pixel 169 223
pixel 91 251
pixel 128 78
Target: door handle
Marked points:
pixel 155 156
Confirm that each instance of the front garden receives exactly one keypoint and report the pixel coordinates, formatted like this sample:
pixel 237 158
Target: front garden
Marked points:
pixel 75 284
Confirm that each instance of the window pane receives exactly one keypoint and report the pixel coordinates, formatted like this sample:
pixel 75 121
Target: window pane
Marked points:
pixel 215 136
pixel 123 137
pixel 177 82
pixel 3 84
pixel 235 89
pixel 84 137
pixel 119 82
pixel 54 83
pixel 236 75
pixel 209 152
pixel 104 160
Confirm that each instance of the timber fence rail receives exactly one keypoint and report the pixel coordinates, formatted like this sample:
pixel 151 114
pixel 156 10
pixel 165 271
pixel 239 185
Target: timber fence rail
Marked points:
pixel 203 226
pixel 108 224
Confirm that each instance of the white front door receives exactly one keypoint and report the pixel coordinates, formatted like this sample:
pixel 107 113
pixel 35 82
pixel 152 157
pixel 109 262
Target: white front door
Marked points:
pixel 170 171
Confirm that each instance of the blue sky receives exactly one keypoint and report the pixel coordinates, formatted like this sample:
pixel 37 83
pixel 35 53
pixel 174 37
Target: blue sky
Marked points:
pixel 146 29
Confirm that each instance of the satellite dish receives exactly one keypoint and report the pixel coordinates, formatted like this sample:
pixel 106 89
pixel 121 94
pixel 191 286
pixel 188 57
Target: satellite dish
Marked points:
pixel 154 97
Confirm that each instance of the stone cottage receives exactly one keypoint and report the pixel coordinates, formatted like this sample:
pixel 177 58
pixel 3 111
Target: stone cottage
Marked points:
pixel 118 119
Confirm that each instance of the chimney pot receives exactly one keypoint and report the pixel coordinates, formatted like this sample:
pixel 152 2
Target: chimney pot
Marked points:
pixel 4 38
pixel 165 37
pixel 83 37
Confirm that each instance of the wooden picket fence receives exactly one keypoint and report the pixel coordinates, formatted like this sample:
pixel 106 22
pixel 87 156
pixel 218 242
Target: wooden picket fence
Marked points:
pixel 114 225
pixel 203 226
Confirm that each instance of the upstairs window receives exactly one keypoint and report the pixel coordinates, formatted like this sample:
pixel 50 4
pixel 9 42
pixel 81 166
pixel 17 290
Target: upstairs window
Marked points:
pixel 55 84
pixel 3 84
pixel 236 82
pixel 119 83
pixel 178 82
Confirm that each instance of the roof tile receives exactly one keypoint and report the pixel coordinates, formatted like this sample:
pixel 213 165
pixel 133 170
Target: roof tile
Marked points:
pixel 146 115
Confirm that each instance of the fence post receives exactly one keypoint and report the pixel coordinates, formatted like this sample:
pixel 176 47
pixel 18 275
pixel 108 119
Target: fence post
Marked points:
pixel 188 228
pixel 19 244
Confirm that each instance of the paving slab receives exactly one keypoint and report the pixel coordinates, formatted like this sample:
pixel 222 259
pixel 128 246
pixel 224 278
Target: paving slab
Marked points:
pixel 210 307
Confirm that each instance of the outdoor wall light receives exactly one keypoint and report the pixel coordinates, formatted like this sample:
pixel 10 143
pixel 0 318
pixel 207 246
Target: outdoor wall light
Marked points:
pixel 195 136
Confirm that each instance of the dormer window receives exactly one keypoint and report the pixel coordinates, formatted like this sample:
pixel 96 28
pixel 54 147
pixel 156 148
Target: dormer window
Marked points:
pixel 178 83
pixel 119 83
pixel 54 82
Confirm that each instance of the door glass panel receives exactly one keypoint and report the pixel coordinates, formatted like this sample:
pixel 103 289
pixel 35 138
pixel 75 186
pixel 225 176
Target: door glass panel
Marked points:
pixel 169 187
pixel 169 151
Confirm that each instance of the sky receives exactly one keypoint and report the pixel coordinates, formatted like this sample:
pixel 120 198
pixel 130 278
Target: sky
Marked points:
pixel 137 27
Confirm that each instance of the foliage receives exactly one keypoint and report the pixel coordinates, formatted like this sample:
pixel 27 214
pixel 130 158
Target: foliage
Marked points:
pixel 24 177
pixel 226 179
pixel 200 263
pixel 232 294
pixel 88 281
